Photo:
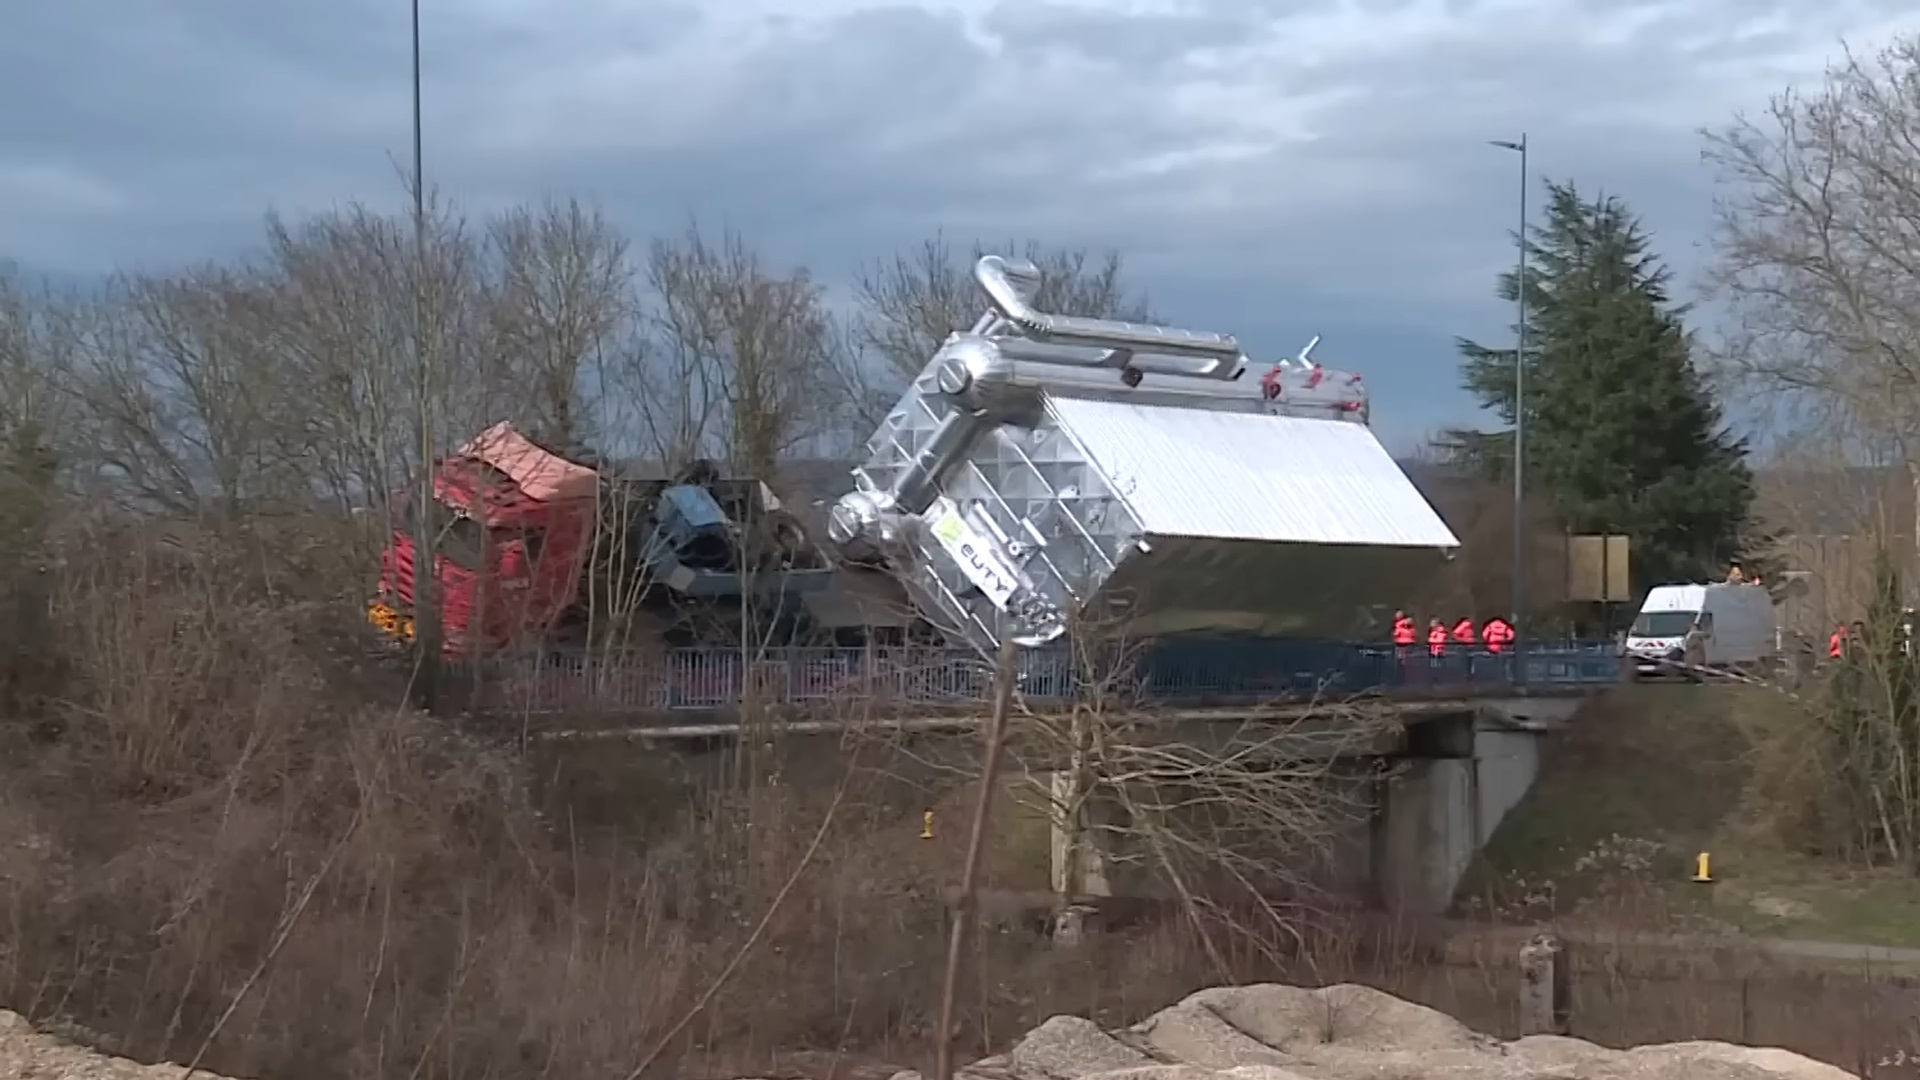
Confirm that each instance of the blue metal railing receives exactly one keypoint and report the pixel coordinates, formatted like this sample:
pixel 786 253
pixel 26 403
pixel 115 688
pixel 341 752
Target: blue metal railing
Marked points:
pixel 1169 673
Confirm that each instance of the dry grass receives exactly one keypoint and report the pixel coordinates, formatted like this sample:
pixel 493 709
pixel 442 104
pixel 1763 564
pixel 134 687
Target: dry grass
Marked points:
pixel 228 845
pixel 1649 776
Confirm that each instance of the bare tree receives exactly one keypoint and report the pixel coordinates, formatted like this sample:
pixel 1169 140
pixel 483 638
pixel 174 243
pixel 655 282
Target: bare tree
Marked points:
pixel 1247 827
pixel 288 378
pixel 35 340
pixel 1818 254
pixel 1240 820
pixel 342 319
pixel 909 304
pixel 737 360
pixel 340 322
pixel 178 399
pixel 36 345
pixel 564 294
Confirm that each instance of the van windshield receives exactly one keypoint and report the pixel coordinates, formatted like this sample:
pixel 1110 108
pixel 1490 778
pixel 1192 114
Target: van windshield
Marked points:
pixel 1664 624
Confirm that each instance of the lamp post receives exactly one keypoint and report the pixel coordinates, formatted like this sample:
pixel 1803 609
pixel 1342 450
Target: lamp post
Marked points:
pixel 426 599
pixel 1519 415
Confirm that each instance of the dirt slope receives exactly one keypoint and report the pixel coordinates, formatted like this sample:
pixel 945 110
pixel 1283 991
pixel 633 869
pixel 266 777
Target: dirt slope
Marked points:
pixel 1350 1032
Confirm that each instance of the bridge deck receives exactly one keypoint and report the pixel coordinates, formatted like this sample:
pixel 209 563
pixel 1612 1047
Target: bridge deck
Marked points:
pixel 722 722
pixel 934 682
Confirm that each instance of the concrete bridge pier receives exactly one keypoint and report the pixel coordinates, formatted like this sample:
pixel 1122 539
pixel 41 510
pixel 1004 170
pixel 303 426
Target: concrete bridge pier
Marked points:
pixel 1427 828
pixel 1440 810
pixel 1455 776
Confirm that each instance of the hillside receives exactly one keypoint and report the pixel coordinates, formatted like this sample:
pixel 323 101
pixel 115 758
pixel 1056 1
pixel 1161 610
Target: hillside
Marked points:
pixel 1642 781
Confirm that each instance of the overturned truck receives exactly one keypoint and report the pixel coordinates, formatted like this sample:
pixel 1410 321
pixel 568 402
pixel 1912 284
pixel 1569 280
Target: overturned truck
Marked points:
pixel 533 549
pixel 1046 467
pixel 1039 469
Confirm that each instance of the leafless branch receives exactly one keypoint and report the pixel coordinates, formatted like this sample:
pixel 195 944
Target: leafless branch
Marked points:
pixel 909 304
pixel 736 364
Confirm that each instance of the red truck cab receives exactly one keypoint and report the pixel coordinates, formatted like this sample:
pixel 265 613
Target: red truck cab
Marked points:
pixel 512 525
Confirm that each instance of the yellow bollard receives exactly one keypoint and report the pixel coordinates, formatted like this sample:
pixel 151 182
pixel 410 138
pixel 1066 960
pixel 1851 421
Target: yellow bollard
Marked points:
pixel 926 825
pixel 1703 868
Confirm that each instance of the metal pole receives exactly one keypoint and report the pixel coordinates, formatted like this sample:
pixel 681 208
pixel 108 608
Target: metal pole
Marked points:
pixel 426 606
pixel 1004 673
pixel 1519 567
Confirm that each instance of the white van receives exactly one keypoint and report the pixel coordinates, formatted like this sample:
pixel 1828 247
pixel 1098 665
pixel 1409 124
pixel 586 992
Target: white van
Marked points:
pixel 1735 620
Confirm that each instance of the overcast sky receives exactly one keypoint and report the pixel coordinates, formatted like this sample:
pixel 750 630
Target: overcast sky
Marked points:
pixel 1273 168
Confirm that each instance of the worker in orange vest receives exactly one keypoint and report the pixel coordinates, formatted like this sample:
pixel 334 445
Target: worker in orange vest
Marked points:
pixel 1463 632
pixel 1498 634
pixel 1837 642
pixel 1403 632
pixel 1436 639
pixel 1404 637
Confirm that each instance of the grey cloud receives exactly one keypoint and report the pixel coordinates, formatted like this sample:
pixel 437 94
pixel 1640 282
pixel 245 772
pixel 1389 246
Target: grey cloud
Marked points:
pixel 1137 44
pixel 1361 201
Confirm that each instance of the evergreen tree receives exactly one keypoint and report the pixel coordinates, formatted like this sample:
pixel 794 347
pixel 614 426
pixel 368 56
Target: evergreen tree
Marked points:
pixel 1622 434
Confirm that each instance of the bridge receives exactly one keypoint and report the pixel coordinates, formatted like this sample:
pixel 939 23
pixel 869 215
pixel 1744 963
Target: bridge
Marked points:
pixel 1468 749
pixel 1180 674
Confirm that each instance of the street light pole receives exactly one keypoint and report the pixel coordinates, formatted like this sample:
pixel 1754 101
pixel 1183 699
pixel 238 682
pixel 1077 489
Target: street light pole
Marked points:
pixel 1519 412
pixel 426 599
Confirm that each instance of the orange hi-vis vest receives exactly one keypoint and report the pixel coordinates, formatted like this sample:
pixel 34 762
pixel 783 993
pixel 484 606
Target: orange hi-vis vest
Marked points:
pixel 1497 634
pixel 1463 631
pixel 1436 640
pixel 1403 632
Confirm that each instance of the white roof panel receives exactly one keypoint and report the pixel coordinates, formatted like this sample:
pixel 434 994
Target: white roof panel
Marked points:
pixel 1252 476
pixel 1675 598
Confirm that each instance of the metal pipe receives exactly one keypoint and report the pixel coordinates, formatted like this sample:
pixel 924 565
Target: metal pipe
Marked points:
pixel 1008 377
pixel 1011 284
pixel 914 489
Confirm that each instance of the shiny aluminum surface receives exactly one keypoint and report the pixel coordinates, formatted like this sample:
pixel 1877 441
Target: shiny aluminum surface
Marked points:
pixel 1043 463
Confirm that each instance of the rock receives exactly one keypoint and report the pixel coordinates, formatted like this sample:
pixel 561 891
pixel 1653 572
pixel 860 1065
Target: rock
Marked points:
pixel 1273 1032
pixel 26 1053
pixel 1192 1033
pixel 1068 1046
pixel 1265 1032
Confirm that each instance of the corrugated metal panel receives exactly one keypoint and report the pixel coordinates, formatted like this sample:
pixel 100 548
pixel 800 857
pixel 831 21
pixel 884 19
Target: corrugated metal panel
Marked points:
pixel 1248 476
pixel 542 476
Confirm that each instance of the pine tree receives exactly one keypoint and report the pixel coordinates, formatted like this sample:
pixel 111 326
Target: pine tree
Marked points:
pixel 1622 434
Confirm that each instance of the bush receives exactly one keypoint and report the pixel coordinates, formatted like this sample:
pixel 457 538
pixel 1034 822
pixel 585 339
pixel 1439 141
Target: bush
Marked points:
pixel 228 845
pixel 1838 776
pixel 231 844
